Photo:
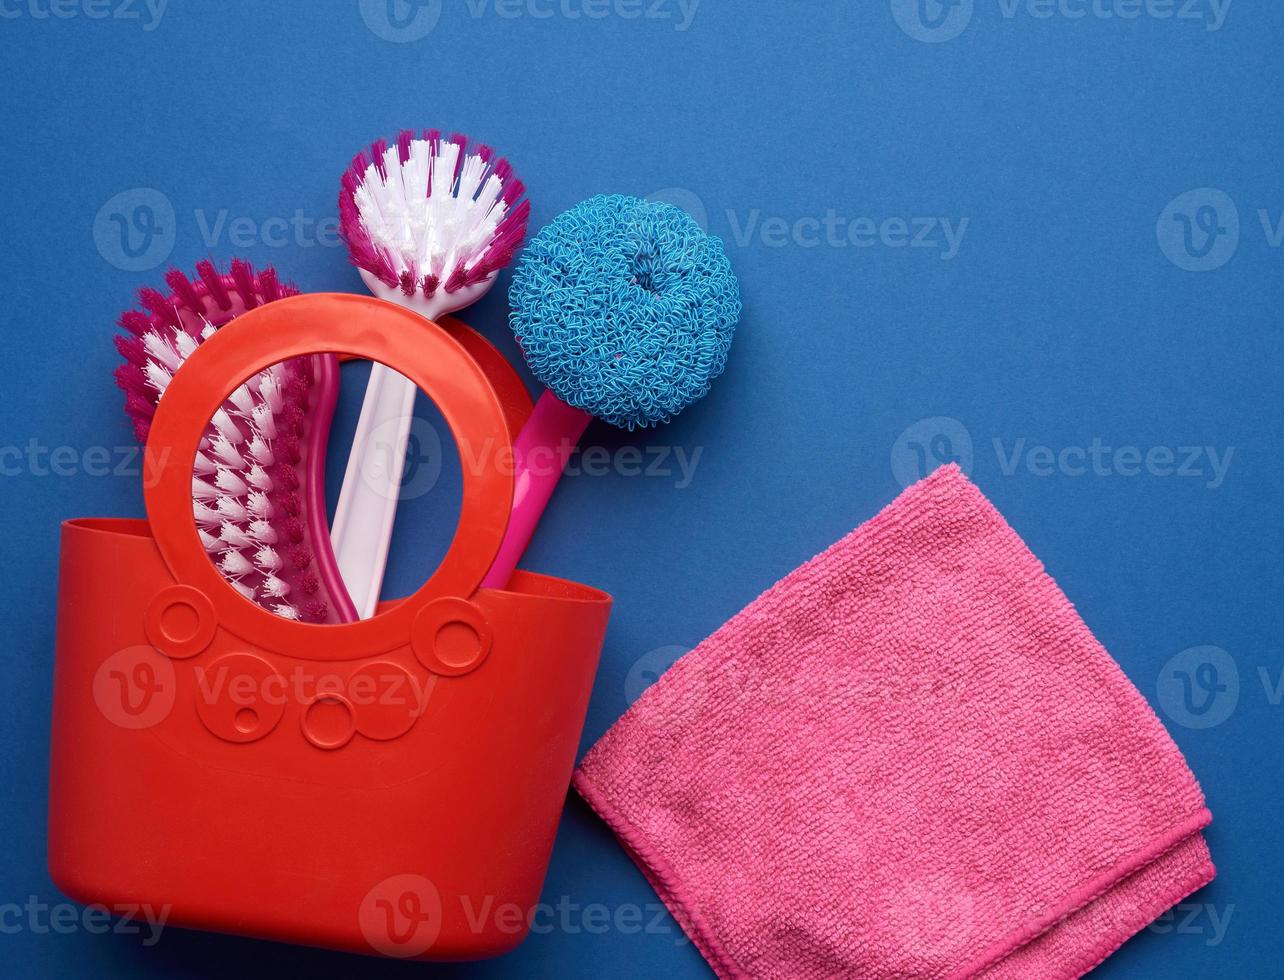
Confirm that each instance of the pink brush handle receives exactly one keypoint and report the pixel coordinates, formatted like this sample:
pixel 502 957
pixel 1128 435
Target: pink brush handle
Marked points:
pixel 540 453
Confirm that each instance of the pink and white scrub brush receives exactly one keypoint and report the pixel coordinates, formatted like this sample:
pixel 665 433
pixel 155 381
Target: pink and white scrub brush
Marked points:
pixel 258 481
pixel 429 222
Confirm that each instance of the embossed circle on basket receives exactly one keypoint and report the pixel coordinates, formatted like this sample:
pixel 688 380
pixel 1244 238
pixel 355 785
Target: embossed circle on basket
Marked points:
pixel 387 699
pixel 180 621
pixel 329 721
pixel 451 636
pixel 240 697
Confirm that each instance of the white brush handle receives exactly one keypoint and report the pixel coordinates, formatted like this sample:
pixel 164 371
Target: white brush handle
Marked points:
pixel 362 528
pixel 363 519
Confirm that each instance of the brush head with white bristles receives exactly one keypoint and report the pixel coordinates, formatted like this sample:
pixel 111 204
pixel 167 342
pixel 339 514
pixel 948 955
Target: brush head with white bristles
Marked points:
pixel 430 221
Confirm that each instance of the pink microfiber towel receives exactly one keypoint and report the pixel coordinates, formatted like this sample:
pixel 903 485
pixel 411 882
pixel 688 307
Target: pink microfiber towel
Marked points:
pixel 908 758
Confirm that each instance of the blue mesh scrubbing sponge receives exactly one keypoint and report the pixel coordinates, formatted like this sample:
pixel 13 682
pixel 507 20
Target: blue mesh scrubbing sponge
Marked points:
pixel 625 308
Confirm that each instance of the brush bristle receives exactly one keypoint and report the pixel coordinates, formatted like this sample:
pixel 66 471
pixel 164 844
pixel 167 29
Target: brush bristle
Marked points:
pixel 245 491
pixel 428 213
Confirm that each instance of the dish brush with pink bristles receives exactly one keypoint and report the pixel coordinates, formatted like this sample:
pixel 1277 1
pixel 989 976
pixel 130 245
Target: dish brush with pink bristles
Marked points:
pixel 258 478
pixel 427 216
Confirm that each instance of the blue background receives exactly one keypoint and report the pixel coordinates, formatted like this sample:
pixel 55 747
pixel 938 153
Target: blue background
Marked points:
pixel 1064 317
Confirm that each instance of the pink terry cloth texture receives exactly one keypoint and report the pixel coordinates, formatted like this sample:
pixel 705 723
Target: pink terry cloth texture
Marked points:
pixel 908 758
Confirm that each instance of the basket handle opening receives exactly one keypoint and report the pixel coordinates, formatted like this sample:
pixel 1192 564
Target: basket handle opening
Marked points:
pixel 360 327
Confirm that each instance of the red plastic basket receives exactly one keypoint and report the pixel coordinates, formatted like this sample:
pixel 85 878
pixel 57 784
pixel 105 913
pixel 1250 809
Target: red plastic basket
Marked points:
pixel 373 787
